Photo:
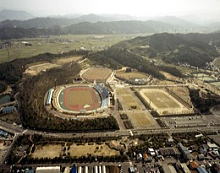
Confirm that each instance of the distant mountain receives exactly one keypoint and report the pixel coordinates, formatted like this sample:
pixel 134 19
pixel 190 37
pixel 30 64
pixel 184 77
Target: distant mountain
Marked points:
pixel 14 15
pixel 193 49
pixel 118 27
pixel 184 24
pixel 44 22
pixel 47 22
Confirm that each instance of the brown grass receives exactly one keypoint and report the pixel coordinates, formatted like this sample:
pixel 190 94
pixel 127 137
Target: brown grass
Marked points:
pixel 94 150
pixel 98 74
pixel 130 75
pixel 47 151
pixel 142 120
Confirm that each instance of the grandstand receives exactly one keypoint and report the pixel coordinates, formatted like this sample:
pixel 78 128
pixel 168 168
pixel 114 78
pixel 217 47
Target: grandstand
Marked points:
pixel 104 93
pixel 49 96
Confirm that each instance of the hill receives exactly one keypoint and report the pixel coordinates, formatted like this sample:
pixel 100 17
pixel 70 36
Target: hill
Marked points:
pixel 14 15
pixel 192 49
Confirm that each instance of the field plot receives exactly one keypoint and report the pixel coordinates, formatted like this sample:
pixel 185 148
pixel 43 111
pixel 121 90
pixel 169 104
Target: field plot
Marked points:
pixel 62 61
pixel 141 120
pixel 60 44
pixel 217 84
pixel 130 75
pixel 79 99
pixel 47 151
pixel 183 92
pixel 204 77
pixel 36 69
pixel 163 102
pixel 128 99
pixel 97 74
pixel 94 150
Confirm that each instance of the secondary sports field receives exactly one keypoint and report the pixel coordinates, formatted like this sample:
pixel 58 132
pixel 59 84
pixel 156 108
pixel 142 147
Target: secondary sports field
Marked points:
pixel 97 74
pixel 78 99
pixel 142 120
pixel 130 75
pixel 163 102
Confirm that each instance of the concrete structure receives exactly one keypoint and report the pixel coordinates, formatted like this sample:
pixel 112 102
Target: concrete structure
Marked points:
pixel 55 169
pixel 185 168
pixel 185 152
pixel 49 96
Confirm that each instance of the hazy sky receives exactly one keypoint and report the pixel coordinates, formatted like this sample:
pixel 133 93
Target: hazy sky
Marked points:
pixel 131 7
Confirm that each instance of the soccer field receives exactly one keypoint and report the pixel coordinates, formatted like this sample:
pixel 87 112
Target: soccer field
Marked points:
pixel 162 102
pixel 79 99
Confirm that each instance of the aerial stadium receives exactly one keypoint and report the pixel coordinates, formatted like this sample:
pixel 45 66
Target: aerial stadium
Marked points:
pixel 78 99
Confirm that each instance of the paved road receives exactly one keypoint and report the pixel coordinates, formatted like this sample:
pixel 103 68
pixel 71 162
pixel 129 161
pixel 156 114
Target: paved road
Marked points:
pixel 17 130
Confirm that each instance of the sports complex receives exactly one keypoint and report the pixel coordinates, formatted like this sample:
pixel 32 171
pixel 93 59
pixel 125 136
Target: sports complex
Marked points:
pixel 79 99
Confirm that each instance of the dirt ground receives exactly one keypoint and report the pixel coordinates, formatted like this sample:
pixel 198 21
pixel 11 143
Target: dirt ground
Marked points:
pixel 130 75
pixel 98 74
pixel 63 61
pixel 36 69
pixel 75 99
pixel 160 98
pixel 128 99
pixel 95 150
pixel 164 103
pixel 142 120
pixel 47 151
pixel 183 92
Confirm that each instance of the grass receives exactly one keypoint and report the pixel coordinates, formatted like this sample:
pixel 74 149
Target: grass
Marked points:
pixel 129 101
pixel 94 150
pixel 131 75
pixel 160 99
pixel 47 151
pixel 98 74
pixel 142 120
pixel 59 44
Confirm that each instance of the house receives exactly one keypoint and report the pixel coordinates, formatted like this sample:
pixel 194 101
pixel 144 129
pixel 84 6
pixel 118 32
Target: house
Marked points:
pixel 185 168
pixel 8 110
pixel 201 170
pixel 212 146
pixel 169 151
pixel 193 165
pixel 185 152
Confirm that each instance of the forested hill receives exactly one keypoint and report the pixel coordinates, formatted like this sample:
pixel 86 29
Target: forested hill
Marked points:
pixel 193 49
pixel 49 26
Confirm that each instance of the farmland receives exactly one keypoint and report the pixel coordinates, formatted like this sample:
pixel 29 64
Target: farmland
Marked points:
pixel 58 44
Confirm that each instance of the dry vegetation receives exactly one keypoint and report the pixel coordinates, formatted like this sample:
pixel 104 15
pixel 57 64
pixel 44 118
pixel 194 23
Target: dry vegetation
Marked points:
pixel 47 151
pixel 142 120
pixel 95 150
pixel 130 75
pixel 98 74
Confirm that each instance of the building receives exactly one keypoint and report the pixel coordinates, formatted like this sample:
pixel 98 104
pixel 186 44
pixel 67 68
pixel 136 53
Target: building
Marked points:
pixel 184 168
pixel 201 170
pixel 49 97
pixel 169 151
pixel 168 168
pixel 55 169
pixel 185 152
pixel 212 146
pixel 8 110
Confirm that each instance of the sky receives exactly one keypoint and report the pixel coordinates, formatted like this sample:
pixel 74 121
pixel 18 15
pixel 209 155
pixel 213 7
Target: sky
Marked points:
pixel 147 8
